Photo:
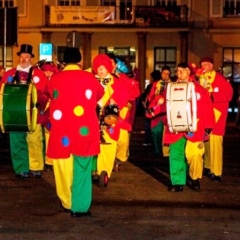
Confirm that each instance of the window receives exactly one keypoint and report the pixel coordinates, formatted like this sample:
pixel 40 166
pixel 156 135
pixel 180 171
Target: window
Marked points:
pixel 9 59
pixel 165 56
pixel 231 64
pixel 68 2
pixel 125 54
pixel 60 53
pixel 6 3
pixel 108 2
pixel 231 71
pixel 123 8
pixel 232 7
pixel 165 3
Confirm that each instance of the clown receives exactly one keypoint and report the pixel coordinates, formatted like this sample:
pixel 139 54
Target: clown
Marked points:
pixel 189 144
pixel 114 93
pixel 26 148
pixel 74 135
pixel 221 92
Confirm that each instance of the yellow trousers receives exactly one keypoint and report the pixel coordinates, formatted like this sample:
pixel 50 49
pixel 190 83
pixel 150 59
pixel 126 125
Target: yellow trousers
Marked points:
pixel 48 160
pixel 106 157
pixel 213 157
pixel 63 174
pixel 194 156
pixel 35 149
pixel 122 153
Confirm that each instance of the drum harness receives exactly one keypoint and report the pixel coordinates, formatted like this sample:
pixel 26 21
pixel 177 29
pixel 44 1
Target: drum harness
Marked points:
pixel 28 80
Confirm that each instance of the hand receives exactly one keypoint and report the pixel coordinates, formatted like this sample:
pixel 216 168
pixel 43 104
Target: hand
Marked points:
pixel 160 101
pixel 112 101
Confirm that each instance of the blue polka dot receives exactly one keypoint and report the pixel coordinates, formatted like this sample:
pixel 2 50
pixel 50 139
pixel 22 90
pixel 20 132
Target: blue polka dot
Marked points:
pixel 190 134
pixel 65 141
pixel 111 130
pixel 48 125
pixel 10 79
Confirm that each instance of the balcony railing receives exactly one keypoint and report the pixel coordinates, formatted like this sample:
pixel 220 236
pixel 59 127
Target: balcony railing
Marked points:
pixel 137 16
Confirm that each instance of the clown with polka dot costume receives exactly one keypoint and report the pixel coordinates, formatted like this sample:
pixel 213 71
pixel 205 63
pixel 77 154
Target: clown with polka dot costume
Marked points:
pixel 27 148
pixel 74 139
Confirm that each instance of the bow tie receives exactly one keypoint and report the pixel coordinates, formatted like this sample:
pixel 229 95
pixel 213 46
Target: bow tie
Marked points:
pixel 23 75
pixel 104 81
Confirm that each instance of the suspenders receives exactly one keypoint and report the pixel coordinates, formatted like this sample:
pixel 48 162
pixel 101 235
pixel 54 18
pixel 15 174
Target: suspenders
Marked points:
pixel 29 78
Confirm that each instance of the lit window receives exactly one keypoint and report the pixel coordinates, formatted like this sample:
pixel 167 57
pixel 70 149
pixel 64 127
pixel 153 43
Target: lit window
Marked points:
pixel 231 63
pixel 9 59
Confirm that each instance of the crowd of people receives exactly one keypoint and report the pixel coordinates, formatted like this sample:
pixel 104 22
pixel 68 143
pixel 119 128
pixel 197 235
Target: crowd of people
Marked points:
pixel 85 118
pixel 83 122
pixel 194 150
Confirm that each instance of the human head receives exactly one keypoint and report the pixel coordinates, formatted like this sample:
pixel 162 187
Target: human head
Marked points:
pixel 165 73
pixel 156 75
pixel 207 64
pixel 25 55
pixel 49 69
pixel 102 65
pixel 72 55
pixel 183 72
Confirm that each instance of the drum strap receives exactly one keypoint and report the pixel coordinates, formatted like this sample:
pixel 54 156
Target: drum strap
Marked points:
pixel 28 80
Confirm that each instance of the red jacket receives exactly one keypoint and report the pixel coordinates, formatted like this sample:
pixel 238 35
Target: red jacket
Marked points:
pixel 119 93
pixel 221 96
pixel 159 110
pixel 74 121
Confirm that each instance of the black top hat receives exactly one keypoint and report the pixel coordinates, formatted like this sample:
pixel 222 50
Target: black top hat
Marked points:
pixel 26 48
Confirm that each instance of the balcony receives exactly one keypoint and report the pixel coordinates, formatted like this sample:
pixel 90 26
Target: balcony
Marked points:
pixel 129 17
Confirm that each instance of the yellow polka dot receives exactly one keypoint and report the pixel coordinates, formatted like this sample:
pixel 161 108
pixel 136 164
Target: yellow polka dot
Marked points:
pixel 78 111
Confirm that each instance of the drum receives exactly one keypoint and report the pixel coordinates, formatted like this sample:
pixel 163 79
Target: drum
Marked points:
pixel 18 110
pixel 181 107
pixel 111 113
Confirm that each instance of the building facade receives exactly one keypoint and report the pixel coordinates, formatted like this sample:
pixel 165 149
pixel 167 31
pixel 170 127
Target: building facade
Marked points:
pixel 147 34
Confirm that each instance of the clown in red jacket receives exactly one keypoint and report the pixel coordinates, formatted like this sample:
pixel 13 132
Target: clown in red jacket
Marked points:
pixel 157 111
pixel 74 139
pixel 27 148
pixel 189 145
pixel 221 93
pixel 116 95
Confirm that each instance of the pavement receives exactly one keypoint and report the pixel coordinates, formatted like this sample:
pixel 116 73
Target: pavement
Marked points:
pixel 135 205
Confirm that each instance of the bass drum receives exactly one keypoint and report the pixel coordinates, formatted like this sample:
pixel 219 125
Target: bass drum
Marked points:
pixel 181 107
pixel 18 110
